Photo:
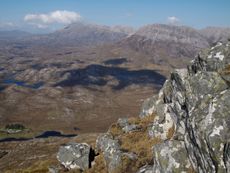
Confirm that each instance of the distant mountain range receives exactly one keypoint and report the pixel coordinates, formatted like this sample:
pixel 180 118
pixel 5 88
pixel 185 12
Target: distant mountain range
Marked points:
pixel 88 34
pixel 13 35
pixel 81 34
pixel 166 42
pixel 161 44
pixel 215 34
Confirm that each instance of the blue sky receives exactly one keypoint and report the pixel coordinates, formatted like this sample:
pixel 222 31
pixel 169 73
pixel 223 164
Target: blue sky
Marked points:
pixel 195 13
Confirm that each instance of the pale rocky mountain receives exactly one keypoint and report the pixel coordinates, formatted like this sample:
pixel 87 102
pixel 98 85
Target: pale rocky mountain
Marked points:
pixel 166 44
pixel 177 34
pixel 123 29
pixel 81 34
pixel 215 34
pixel 173 45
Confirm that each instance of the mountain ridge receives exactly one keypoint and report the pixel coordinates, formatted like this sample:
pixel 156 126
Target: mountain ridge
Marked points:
pixel 155 32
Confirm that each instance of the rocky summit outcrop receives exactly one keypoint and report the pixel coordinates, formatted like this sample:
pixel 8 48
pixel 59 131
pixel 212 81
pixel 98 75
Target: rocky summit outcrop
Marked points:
pixel 194 108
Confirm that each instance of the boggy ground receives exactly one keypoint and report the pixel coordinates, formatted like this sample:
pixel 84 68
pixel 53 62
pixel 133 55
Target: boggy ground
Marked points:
pixel 73 110
pixel 73 88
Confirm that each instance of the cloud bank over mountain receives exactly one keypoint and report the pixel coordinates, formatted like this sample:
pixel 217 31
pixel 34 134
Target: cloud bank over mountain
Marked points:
pixel 55 17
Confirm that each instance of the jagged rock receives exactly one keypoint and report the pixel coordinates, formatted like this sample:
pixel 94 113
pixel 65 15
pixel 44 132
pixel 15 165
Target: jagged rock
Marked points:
pixel 75 156
pixel 161 129
pixel 171 156
pixel 106 142
pixel 169 106
pixel 148 107
pixel 110 148
pixel 195 102
pixel 111 151
pixel 206 140
pixel 214 59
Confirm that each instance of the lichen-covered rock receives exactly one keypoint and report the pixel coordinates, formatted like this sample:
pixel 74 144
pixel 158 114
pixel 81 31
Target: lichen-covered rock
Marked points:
pixel 111 151
pixel 105 142
pixel 161 129
pixel 74 156
pixel 148 107
pixel 207 138
pixel 171 156
pixel 195 102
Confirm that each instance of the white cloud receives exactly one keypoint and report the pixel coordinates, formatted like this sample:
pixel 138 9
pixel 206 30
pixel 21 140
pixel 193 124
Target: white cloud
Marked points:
pixel 55 17
pixel 173 20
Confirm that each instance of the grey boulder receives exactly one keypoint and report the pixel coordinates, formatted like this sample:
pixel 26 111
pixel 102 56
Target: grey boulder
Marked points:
pixel 75 156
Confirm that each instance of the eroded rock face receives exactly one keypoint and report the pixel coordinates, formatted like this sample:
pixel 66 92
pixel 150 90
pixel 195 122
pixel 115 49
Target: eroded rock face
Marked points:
pixel 75 156
pixel 194 104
